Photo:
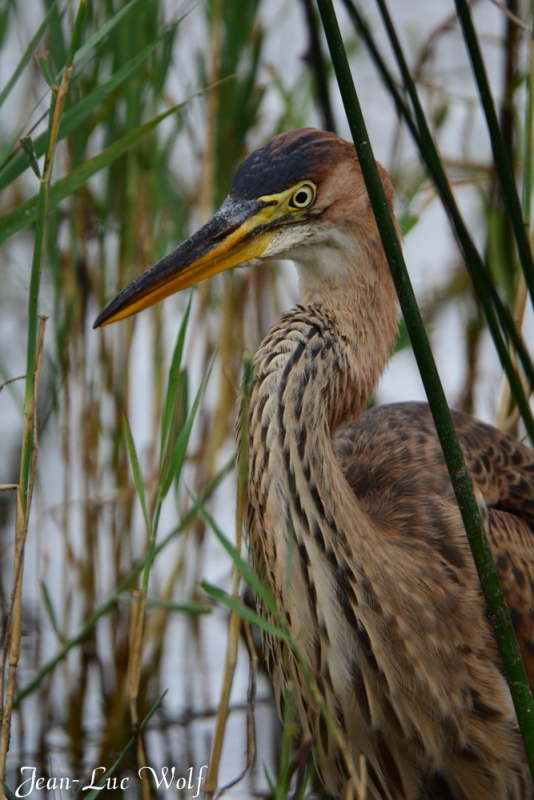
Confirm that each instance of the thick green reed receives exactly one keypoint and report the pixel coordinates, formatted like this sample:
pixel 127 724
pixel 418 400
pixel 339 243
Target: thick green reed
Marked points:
pixel 489 579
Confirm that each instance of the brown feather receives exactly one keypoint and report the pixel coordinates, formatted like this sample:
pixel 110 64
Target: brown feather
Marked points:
pixel 378 585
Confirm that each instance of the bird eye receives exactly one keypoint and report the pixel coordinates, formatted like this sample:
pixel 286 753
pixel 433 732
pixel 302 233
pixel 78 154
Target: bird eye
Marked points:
pixel 303 196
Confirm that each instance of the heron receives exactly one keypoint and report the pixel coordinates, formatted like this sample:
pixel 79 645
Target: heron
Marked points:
pixel 352 519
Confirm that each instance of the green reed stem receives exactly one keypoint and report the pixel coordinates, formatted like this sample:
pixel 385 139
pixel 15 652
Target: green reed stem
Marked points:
pixel 529 122
pixel 57 104
pixel 489 579
pixel 480 275
pixel 102 781
pixel 502 162
pixel 33 356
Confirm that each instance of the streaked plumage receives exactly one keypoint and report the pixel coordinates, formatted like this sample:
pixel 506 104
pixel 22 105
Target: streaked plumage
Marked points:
pixel 379 585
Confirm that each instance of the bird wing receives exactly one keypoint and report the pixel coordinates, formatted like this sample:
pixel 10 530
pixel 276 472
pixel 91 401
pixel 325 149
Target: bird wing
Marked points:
pixel 512 543
pixel 393 461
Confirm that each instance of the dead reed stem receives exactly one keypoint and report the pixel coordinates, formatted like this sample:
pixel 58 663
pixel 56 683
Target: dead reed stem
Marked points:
pixel 234 624
pixel 135 663
pixel 11 380
pixel 14 617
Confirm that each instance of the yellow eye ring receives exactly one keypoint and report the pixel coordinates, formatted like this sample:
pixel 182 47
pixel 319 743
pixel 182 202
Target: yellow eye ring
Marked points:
pixel 303 196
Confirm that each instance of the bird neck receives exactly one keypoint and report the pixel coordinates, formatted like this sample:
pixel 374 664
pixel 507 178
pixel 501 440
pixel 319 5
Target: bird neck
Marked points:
pixel 322 361
pixel 347 288
pixel 316 369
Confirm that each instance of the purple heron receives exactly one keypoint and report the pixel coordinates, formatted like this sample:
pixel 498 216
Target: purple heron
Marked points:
pixel 382 596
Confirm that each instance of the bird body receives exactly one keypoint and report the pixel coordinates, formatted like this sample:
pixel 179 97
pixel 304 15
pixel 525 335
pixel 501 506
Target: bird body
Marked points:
pixel 380 591
pixel 352 518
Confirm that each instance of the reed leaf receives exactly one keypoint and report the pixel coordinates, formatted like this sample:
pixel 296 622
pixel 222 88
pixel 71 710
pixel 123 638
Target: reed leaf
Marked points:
pixel 113 769
pixel 177 458
pixel 136 472
pixel 99 35
pixel 502 162
pixel 26 213
pixel 244 611
pixel 26 56
pixel 169 424
pixel 245 570
pixel 79 112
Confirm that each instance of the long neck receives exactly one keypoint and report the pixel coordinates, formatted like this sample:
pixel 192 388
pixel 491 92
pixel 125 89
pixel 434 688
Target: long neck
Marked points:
pixel 316 368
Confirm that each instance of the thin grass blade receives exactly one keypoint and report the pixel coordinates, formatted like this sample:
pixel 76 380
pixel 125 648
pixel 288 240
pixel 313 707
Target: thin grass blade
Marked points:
pixel 178 418
pixel 173 381
pixel 184 608
pixel 44 63
pixel 29 151
pixel 9 793
pixel 51 612
pixel 79 112
pixel 244 611
pixel 136 471
pixel 26 56
pixel 180 448
pixel 505 171
pixel 111 771
pixel 244 568
pixel 25 214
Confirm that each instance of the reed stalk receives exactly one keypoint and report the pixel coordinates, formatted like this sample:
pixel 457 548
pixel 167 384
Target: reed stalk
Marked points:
pixel 486 291
pixel 487 572
pixel 13 630
pixel 504 415
pixel 502 162
pixel 480 275
pixel 95 793
pixel 35 342
pixel 234 624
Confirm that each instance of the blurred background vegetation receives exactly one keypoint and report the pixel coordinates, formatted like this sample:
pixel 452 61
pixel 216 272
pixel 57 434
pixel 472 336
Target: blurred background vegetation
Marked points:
pixel 164 100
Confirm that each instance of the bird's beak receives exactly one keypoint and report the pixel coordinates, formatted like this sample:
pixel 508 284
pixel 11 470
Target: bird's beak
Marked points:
pixel 239 232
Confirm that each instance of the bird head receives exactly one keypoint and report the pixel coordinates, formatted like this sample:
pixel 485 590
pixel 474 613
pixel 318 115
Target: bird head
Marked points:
pixel 300 194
